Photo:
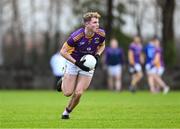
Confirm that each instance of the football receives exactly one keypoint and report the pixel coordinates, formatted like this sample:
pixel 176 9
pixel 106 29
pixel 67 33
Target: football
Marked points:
pixel 90 61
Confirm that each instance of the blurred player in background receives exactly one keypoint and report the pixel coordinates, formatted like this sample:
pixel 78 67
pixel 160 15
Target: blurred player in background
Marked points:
pixel 149 51
pixel 87 40
pixel 155 66
pixel 58 64
pixel 114 58
pixel 159 69
pixel 135 58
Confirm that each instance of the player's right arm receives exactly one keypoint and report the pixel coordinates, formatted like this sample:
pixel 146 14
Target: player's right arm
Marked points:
pixel 65 52
pixel 100 48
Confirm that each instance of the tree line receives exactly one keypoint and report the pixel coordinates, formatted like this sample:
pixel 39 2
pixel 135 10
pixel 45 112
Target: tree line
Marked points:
pixel 32 48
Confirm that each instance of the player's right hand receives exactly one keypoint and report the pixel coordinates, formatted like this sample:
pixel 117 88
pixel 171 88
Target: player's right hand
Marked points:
pixel 81 66
pixel 152 65
pixel 97 57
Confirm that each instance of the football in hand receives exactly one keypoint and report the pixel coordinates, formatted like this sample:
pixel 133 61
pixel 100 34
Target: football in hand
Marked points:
pixel 90 61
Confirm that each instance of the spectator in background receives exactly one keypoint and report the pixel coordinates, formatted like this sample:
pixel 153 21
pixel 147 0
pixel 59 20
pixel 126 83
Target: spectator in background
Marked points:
pixel 135 58
pixel 114 57
pixel 58 64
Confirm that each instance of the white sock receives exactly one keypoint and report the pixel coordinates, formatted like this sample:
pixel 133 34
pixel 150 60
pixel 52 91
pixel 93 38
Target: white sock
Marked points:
pixel 65 112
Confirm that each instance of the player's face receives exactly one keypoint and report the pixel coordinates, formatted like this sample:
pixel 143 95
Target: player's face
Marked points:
pixel 157 43
pixel 114 43
pixel 137 39
pixel 93 25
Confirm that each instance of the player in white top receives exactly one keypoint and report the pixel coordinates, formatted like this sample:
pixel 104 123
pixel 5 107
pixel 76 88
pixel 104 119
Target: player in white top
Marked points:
pixel 58 65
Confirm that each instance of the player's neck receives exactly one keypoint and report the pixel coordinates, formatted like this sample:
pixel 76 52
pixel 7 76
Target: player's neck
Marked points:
pixel 137 43
pixel 88 33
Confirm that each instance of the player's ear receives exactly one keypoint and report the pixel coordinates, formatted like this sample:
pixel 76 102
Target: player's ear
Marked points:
pixel 86 23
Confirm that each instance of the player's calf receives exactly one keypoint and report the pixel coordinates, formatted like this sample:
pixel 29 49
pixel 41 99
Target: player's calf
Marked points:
pixel 59 84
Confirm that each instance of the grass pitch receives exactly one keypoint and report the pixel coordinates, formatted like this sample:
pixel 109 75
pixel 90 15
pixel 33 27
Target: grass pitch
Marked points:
pixel 97 109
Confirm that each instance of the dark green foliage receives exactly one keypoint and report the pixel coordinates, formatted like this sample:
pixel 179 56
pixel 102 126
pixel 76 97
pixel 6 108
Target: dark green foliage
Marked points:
pixel 169 53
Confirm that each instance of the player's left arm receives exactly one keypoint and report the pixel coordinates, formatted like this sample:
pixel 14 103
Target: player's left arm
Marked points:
pixel 100 49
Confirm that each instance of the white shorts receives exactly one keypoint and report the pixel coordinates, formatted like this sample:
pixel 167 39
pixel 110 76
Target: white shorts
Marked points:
pixel 135 68
pixel 150 69
pixel 154 70
pixel 114 70
pixel 160 71
pixel 75 70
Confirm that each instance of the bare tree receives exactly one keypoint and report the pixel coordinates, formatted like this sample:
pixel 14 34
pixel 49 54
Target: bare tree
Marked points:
pixel 57 25
pixel 109 19
pixel 157 19
pixel 17 34
pixel 33 20
pixel 137 11
pixel 1 24
pixel 167 7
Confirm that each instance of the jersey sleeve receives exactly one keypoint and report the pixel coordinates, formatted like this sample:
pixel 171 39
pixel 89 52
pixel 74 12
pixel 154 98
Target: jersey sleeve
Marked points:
pixel 70 42
pixel 75 37
pixel 131 47
pixel 102 35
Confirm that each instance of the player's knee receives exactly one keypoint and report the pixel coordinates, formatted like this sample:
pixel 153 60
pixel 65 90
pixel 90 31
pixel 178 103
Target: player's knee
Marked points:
pixel 67 93
pixel 78 93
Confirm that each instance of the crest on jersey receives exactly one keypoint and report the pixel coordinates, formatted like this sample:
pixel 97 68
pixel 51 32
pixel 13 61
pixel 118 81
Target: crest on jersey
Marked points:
pixel 96 40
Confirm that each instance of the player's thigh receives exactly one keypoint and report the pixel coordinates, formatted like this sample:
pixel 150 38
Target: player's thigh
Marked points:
pixel 140 74
pixel 160 71
pixel 83 83
pixel 68 84
pixel 118 72
pixel 118 77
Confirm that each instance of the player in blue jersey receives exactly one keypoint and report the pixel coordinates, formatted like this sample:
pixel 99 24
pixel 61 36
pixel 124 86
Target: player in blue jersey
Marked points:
pixel 114 58
pixel 87 40
pixel 150 50
pixel 135 58
pixel 155 66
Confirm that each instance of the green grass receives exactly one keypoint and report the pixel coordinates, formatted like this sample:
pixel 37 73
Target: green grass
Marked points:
pixel 97 109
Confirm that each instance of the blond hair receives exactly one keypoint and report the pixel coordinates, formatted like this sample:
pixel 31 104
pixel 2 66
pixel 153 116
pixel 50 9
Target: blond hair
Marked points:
pixel 87 16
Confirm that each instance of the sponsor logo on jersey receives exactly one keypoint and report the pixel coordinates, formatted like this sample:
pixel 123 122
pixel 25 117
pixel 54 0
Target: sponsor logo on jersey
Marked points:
pixel 89 49
pixel 81 43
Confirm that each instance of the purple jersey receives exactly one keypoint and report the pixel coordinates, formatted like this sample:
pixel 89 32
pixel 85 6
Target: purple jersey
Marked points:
pixel 85 45
pixel 114 56
pixel 136 49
